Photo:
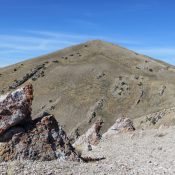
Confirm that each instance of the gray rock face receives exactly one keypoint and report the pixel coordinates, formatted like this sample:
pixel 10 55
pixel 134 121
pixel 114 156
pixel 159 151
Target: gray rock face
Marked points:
pixel 91 137
pixel 15 108
pixel 43 140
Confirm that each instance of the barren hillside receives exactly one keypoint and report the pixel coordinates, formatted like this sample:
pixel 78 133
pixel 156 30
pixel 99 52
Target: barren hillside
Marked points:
pixel 94 80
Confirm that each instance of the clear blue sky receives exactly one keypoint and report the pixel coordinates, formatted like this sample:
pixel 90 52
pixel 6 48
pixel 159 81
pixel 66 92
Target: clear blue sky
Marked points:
pixel 30 28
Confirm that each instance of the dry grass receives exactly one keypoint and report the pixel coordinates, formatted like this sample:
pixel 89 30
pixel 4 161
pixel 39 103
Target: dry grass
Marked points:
pixel 77 77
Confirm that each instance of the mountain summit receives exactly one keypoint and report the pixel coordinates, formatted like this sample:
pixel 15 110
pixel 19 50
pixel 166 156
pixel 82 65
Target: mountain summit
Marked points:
pixel 93 80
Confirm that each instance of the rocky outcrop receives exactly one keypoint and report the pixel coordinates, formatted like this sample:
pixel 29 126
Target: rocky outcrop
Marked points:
pixel 162 90
pixel 121 125
pixel 43 140
pixel 40 139
pixel 91 137
pixel 34 74
pixel 93 111
pixel 15 108
pixel 22 138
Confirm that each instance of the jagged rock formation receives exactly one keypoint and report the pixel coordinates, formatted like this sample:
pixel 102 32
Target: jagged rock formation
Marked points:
pixel 15 108
pixel 44 140
pixel 164 117
pixel 121 125
pixel 91 137
pixel 40 139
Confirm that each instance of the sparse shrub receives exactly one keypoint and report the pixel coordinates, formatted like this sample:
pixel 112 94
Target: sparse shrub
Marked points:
pixel 55 61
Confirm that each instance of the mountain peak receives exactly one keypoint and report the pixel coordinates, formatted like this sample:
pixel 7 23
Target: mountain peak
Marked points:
pixel 94 79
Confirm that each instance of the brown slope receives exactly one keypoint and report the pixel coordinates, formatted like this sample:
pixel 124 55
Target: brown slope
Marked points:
pixel 96 79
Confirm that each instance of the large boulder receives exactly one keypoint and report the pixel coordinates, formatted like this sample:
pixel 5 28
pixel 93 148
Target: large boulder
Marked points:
pixel 91 137
pixel 45 140
pixel 40 139
pixel 121 125
pixel 15 108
